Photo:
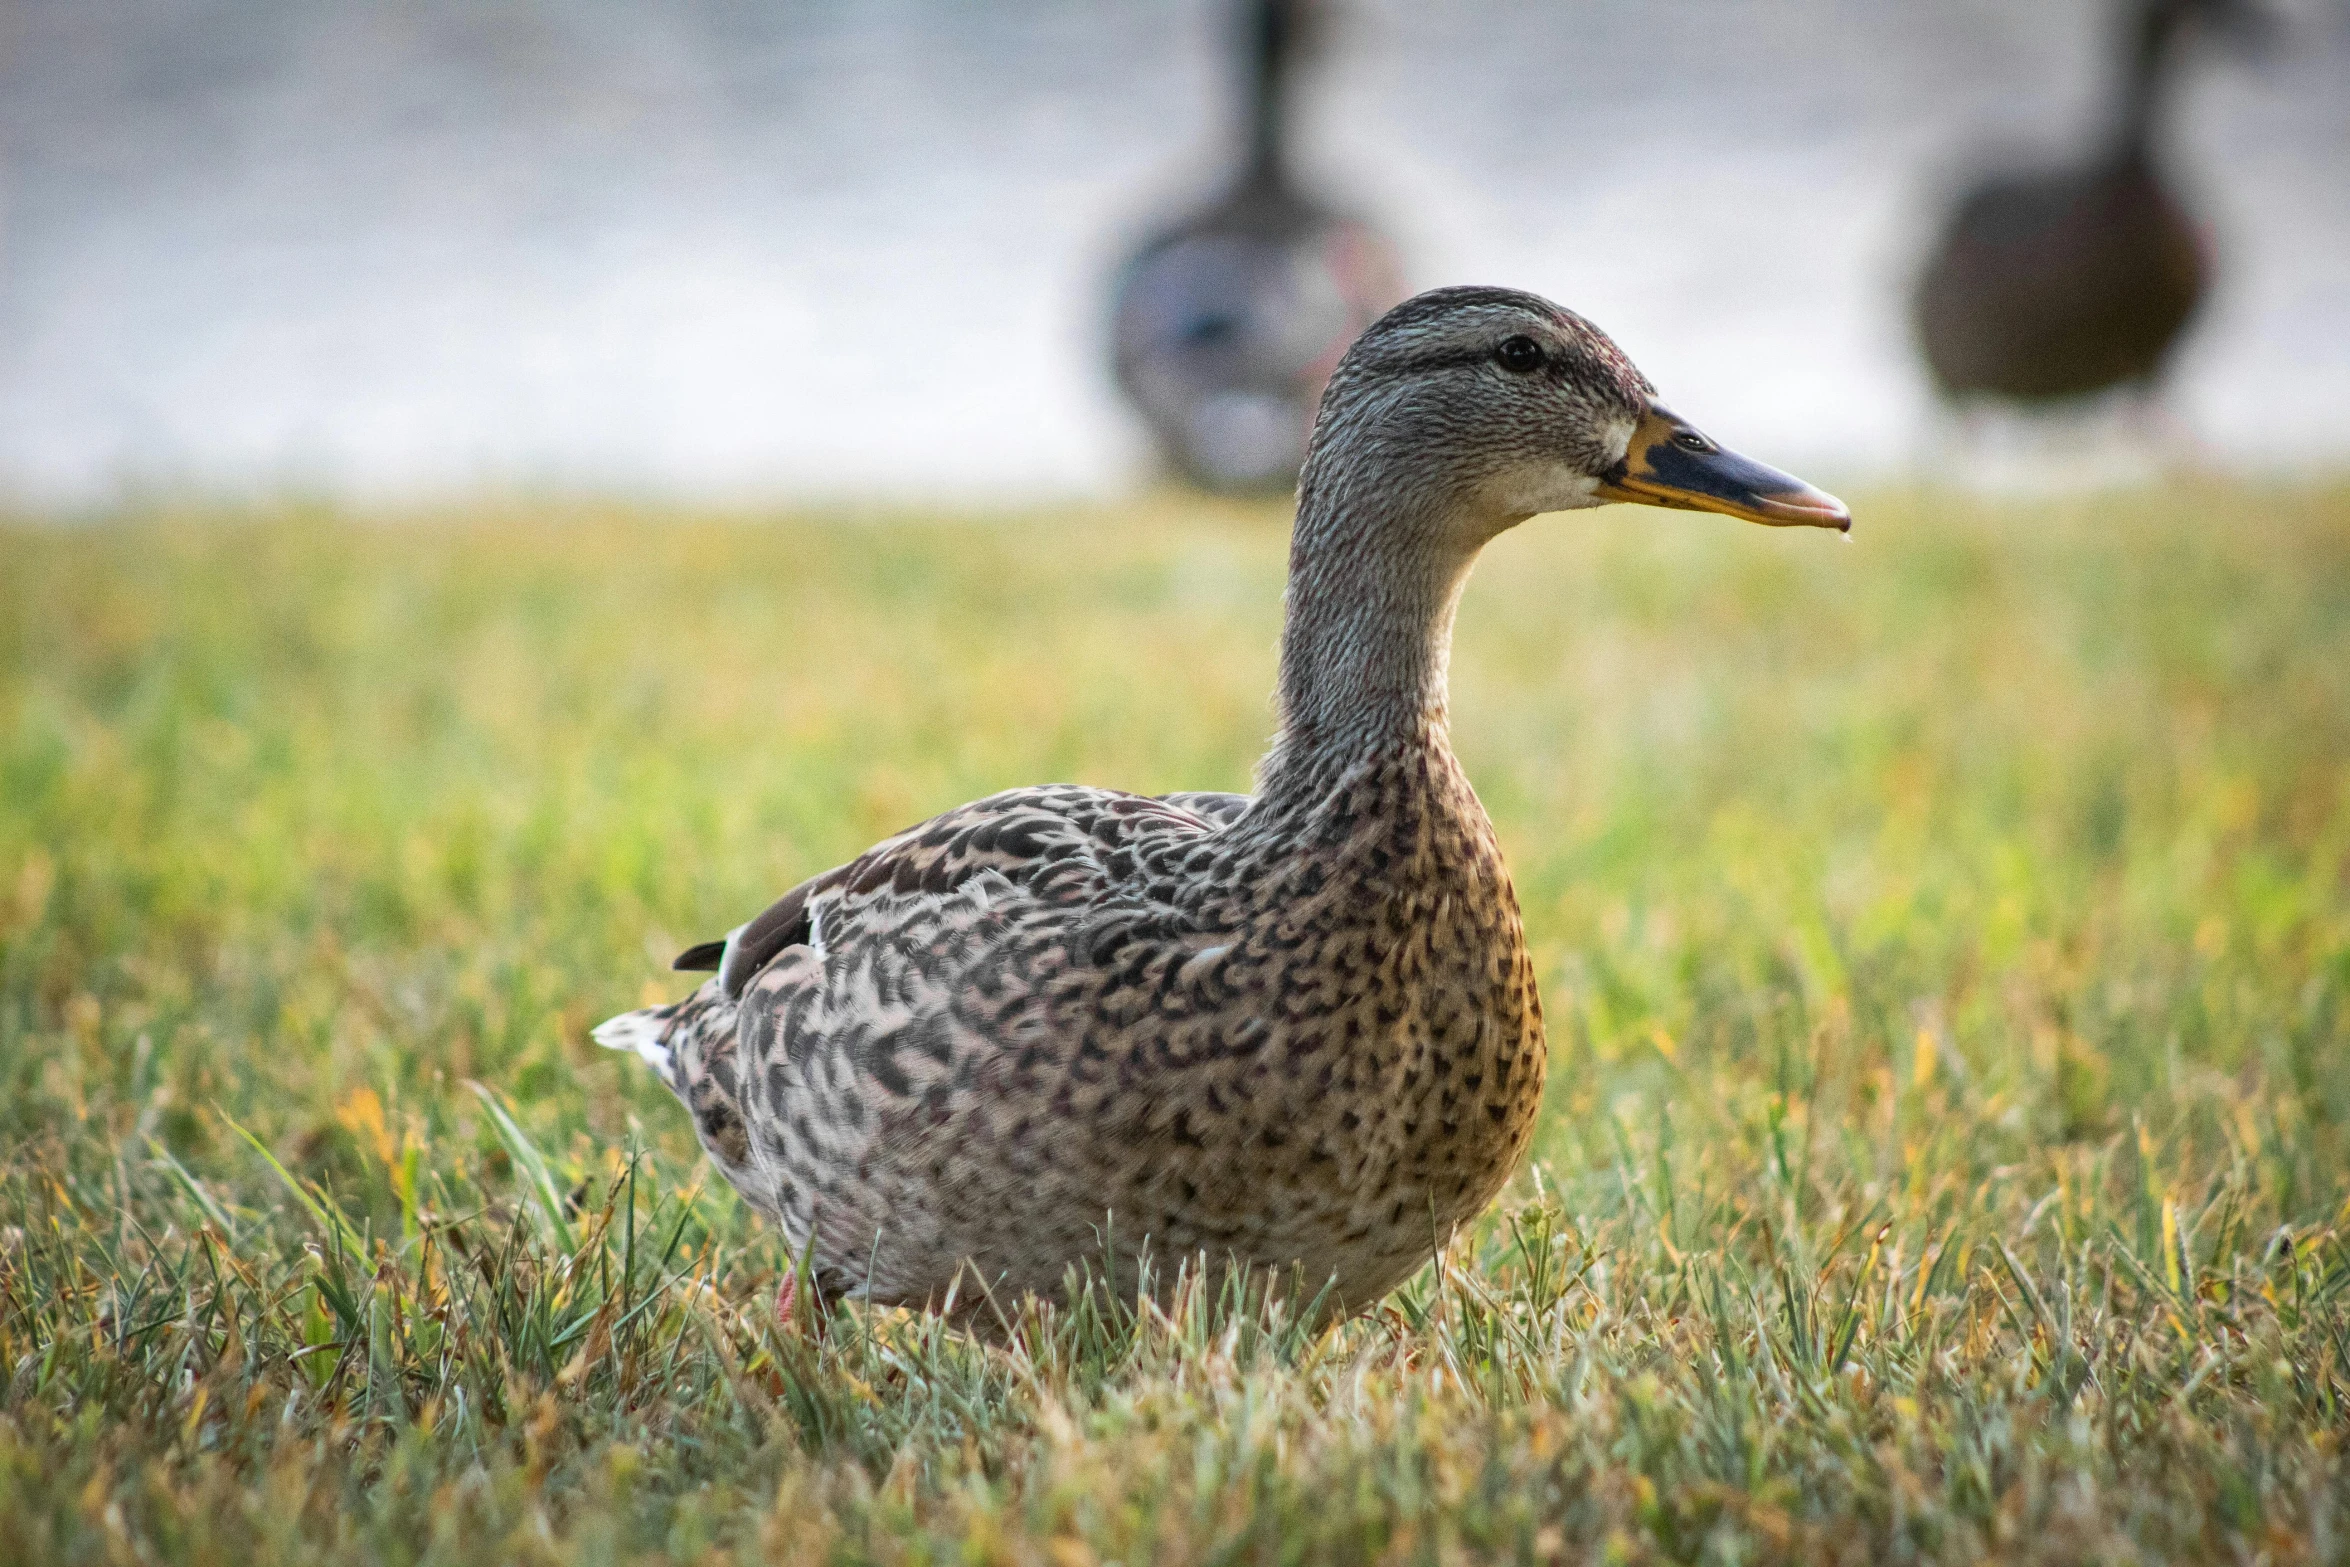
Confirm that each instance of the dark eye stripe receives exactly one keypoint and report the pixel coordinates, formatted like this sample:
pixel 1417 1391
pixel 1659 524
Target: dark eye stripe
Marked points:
pixel 1561 369
pixel 1443 359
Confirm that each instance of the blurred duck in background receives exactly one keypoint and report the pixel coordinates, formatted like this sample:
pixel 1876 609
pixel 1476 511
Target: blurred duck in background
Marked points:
pixel 1228 321
pixel 2058 283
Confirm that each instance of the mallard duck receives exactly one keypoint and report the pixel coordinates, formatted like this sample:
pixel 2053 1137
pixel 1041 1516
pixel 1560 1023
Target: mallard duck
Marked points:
pixel 1227 322
pixel 1298 1031
pixel 2057 283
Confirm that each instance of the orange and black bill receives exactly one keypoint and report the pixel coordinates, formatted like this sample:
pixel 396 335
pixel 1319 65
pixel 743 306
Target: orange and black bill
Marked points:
pixel 1671 464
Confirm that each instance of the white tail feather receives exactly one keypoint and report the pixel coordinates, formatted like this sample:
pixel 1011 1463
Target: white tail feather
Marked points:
pixel 642 1032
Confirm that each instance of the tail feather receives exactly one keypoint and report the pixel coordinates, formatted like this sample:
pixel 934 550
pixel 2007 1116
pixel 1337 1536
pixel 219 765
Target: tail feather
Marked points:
pixel 646 1032
pixel 693 1045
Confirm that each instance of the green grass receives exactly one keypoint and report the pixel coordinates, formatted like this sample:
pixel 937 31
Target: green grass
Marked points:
pixel 1946 940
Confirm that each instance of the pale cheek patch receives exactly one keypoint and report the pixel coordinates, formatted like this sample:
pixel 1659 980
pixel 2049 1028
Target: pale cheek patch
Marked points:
pixel 1619 441
pixel 1536 488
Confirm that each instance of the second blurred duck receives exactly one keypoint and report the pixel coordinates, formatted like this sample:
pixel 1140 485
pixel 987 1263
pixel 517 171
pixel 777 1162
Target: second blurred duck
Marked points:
pixel 1228 321
pixel 2061 282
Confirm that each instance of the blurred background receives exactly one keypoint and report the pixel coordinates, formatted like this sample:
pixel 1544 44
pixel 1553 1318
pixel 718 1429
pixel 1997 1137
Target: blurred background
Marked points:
pixel 718 249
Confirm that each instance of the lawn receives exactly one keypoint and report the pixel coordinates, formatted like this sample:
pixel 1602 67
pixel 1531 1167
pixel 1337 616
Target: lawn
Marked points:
pixel 1945 938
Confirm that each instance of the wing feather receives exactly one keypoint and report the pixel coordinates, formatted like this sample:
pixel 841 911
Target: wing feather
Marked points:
pixel 1022 834
pixel 1218 810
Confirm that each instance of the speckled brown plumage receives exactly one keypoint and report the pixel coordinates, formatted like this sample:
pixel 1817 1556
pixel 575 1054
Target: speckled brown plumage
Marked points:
pixel 1066 1026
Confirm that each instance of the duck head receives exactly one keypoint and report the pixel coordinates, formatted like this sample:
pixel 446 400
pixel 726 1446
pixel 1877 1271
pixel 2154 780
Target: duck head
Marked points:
pixel 1477 408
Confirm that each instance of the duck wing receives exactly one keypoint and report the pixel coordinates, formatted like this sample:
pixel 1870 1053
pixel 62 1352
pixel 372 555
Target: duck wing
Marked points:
pixel 1013 833
pixel 870 1006
pixel 1219 810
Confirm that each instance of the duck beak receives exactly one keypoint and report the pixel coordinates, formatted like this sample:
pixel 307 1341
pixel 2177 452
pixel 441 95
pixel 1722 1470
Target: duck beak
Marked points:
pixel 1670 464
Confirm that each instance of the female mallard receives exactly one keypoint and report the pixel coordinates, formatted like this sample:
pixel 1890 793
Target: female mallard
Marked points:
pixel 1067 1026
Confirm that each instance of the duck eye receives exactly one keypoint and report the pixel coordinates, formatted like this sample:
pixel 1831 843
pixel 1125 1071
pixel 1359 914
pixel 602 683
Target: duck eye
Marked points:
pixel 1520 354
pixel 1691 441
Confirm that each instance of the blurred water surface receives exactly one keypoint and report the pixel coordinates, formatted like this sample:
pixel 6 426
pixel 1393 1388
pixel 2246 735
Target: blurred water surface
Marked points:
pixel 730 248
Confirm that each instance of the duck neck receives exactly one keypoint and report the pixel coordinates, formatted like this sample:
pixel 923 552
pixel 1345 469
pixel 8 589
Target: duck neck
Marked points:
pixel 1368 636
pixel 1268 45
pixel 2146 72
